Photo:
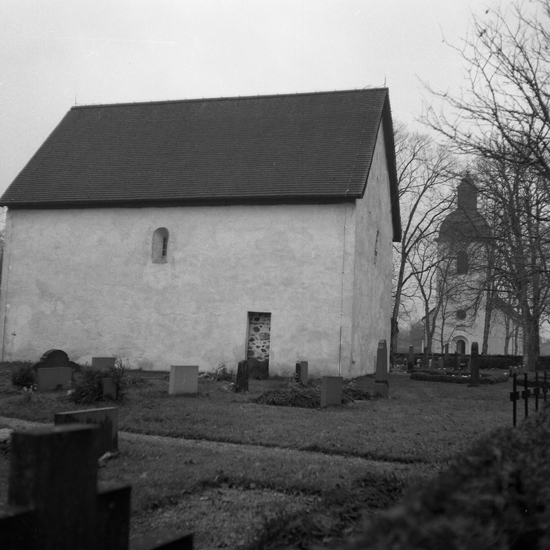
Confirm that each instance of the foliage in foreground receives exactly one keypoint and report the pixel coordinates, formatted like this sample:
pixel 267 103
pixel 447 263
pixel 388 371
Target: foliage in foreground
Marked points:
pixel 88 388
pixel 338 514
pixel 307 396
pixel 497 495
pixel 23 375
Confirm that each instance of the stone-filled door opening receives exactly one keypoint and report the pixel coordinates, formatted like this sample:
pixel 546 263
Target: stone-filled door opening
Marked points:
pixel 259 336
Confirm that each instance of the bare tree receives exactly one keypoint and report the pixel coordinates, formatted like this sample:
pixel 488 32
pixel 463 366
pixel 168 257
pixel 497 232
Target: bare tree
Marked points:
pixel 516 199
pixel 501 116
pixel 506 98
pixel 424 171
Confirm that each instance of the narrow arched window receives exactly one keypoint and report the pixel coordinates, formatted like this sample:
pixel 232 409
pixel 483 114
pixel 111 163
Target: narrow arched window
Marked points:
pixel 462 262
pixel 160 246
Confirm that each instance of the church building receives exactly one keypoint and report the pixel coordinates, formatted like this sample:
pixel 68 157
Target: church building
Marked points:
pixel 206 231
pixel 469 311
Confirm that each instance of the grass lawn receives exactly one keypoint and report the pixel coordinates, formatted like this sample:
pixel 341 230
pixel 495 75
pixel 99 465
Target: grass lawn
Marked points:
pixel 334 465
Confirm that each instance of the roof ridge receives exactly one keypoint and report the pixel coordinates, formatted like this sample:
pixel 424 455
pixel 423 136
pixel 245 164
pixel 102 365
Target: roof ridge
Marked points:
pixel 224 98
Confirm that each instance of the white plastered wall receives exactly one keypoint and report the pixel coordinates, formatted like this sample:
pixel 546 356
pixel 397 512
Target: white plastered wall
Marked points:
pixel 82 280
pixel 373 266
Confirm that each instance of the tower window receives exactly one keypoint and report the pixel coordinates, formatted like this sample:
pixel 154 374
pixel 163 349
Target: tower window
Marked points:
pixel 160 246
pixel 462 263
pixel 461 315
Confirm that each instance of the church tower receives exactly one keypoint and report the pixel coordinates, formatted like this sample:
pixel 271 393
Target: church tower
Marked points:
pixel 469 311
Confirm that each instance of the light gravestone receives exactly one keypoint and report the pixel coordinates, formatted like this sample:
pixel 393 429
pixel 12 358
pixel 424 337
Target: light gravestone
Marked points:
pixel 302 371
pixel 103 363
pixel 54 371
pixel 184 379
pixel 331 390
pixel 106 419
pixel 241 382
pixel 381 382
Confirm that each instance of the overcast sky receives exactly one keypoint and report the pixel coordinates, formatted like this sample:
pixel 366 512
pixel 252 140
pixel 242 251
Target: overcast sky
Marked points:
pixel 58 53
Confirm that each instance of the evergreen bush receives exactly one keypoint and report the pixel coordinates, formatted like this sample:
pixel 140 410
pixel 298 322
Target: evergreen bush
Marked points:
pixel 497 495
pixel 23 376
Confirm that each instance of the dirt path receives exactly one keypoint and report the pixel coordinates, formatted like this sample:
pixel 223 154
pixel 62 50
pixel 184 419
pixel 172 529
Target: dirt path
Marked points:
pixel 228 516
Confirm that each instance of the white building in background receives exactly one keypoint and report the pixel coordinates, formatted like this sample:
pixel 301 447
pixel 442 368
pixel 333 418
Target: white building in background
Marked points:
pixel 467 312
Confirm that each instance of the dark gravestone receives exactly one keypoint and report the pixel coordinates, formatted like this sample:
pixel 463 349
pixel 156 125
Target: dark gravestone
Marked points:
pixel 331 390
pixel 53 378
pixel 381 382
pixel 446 361
pixel 302 371
pixel 44 462
pixel 54 358
pixel 241 383
pixel 54 502
pixel 109 387
pixel 103 363
pixel 410 364
pixel 258 370
pixel 106 419
pixel 474 365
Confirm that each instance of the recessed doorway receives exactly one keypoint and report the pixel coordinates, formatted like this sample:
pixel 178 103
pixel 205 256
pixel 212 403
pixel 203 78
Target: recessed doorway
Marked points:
pixel 259 336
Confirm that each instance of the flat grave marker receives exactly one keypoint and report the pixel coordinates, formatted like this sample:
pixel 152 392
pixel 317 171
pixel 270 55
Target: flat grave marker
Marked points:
pixel 106 419
pixel 241 382
pixel 54 502
pixel 331 390
pixel 302 371
pixel 109 388
pixel 184 379
pixel 103 363
pixel 381 381
pixel 53 378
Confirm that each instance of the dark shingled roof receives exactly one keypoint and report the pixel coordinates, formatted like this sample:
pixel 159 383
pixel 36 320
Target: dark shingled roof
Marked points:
pixel 315 147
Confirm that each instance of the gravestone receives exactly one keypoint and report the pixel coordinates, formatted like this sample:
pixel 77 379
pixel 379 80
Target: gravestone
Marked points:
pixel 54 358
pixel 106 419
pixel 474 365
pixel 103 363
pixel 446 361
pixel 381 382
pixel 440 363
pixel 258 370
pixel 184 379
pixel 109 388
pixel 410 365
pixel 53 378
pixel 302 371
pixel 54 501
pixel 241 382
pixel 331 390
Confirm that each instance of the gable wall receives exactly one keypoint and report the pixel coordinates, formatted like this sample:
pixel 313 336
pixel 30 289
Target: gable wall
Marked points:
pixel 83 281
pixel 373 270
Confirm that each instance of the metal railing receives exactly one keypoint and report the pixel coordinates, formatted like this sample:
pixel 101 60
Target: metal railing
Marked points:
pixel 538 387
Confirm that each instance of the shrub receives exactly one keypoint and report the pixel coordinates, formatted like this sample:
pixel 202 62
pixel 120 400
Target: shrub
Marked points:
pixel 88 388
pixel 223 374
pixel 434 376
pixel 118 374
pixel 23 376
pixel 497 495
